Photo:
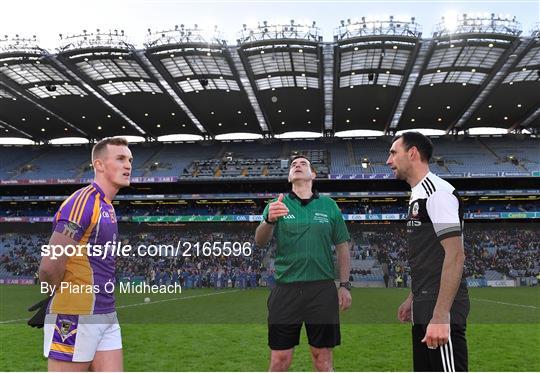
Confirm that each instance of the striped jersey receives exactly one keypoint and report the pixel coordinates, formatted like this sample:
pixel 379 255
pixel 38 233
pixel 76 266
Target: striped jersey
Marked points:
pixel 435 213
pixel 87 216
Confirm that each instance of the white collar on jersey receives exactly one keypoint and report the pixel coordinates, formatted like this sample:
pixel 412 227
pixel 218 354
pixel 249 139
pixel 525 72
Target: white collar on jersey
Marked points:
pixel 418 188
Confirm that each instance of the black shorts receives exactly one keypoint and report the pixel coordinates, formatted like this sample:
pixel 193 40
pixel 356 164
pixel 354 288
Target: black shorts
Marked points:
pixel 452 357
pixel 314 303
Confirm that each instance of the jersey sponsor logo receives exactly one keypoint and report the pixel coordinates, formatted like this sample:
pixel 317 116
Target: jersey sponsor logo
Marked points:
pixel 321 218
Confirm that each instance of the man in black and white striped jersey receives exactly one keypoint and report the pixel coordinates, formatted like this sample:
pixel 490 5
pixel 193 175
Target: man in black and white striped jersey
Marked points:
pixel 438 304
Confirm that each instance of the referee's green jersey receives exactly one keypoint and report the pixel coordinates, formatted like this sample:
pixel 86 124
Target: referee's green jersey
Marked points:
pixel 305 238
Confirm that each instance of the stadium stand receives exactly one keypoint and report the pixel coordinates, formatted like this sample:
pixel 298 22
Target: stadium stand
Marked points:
pixel 325 87
pixel 526 157
pixel 374 151
pixel 490 253
pixel 255 208
pixel 14 158
pixel 469 155
pixel 20 256
pixel 55 162
pixel 257 159
pixel 493 254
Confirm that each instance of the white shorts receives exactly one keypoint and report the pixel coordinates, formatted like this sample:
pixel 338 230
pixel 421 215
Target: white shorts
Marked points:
pixel 78 337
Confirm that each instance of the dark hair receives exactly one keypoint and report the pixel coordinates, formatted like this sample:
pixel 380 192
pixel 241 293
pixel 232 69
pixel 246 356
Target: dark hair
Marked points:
pixel 421 142
pixel 102 145
pixel 294 158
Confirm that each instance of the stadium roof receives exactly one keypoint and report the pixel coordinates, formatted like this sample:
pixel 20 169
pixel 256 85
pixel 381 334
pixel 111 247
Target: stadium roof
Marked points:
pixel 380 75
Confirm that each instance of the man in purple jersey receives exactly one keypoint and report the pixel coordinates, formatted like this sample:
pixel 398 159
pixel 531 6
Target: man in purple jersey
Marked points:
pixel 81 330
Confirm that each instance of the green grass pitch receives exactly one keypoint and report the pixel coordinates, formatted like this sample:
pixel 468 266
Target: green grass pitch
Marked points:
pixel 225 330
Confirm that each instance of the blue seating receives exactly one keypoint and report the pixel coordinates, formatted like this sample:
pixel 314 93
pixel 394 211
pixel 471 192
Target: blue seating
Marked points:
pixel 262 157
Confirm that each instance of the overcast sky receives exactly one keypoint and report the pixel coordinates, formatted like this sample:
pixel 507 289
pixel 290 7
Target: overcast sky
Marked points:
pixel 48 18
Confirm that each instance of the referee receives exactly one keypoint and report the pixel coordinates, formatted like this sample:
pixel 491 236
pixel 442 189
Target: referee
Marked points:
pixel 439 303
pixel 306 226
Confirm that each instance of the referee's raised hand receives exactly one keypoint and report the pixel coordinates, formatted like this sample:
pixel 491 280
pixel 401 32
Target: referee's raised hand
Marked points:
pixel 277 209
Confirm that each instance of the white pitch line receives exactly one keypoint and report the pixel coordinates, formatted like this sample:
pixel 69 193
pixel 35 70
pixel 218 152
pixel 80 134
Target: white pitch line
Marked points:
pixel 149 303
pixel 178 298
pixel 8 321
pixel 506 304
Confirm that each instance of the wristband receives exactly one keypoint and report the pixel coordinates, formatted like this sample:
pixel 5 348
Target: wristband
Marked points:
pixel 268 221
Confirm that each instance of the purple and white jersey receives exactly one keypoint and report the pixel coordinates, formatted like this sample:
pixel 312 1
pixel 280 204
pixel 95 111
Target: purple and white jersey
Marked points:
pixel 87 216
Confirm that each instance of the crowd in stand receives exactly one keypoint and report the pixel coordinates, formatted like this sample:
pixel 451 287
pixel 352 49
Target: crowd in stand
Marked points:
pixel 511 251
pixel 502 207
pixel 28 210
pixel 184 260
pixel 508 250
pixel 349 208
pixel 20 253
pixel 198 209
pixel 187 263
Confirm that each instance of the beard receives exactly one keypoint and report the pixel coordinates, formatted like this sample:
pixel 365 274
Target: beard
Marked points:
pixel 399 175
